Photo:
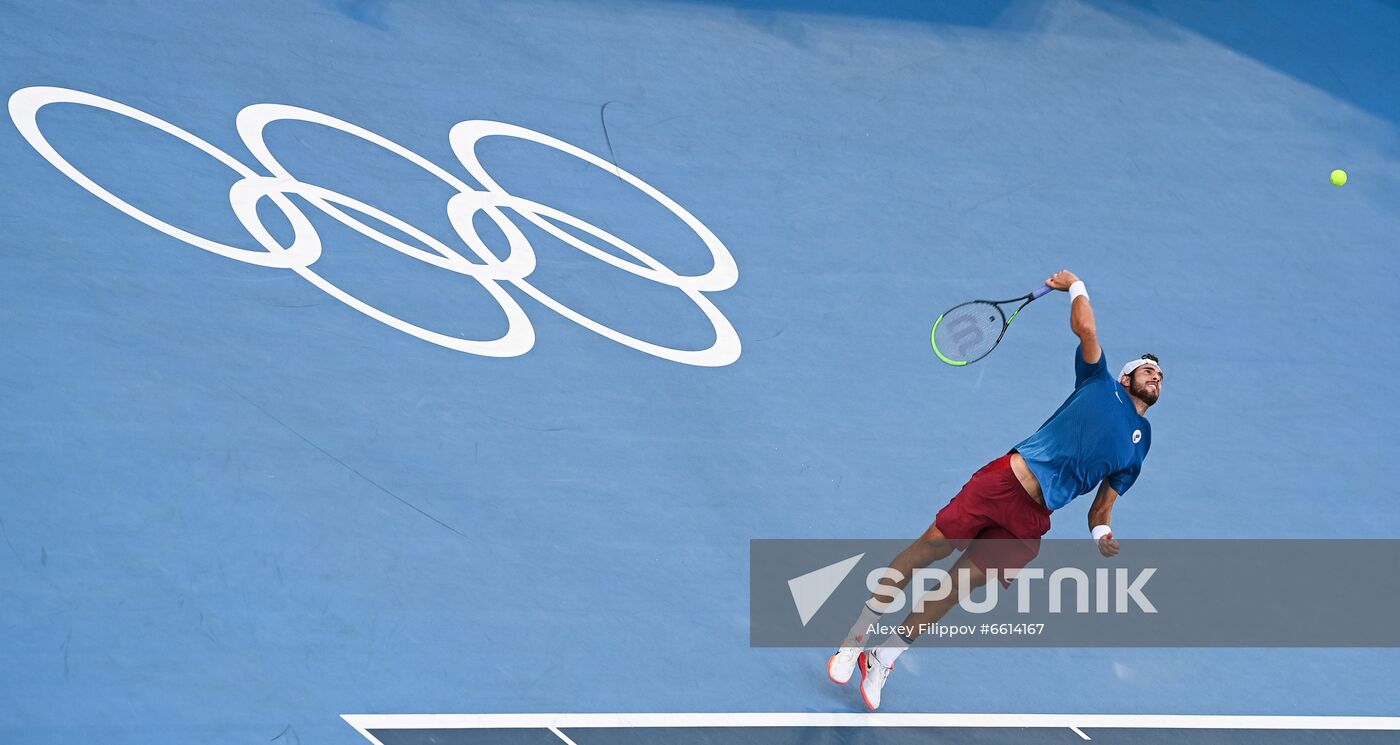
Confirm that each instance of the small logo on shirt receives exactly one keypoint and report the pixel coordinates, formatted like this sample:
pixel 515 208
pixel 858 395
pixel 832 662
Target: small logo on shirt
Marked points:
pixel 1137 436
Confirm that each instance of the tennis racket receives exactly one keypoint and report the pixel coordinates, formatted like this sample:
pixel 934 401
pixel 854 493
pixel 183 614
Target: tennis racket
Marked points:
pixel 968 332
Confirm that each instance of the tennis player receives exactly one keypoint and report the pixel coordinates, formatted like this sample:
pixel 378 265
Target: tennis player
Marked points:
pixel 1098 437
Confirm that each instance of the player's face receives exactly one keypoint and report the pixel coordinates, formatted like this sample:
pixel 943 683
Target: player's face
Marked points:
pixel 1146 384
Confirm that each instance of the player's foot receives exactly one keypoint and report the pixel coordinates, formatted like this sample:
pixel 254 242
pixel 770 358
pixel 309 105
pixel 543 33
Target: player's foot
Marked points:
pixel 872 678
pixel 842 665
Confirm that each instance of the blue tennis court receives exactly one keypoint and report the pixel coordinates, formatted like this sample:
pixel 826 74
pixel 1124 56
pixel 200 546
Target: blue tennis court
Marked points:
pixel 415 359
pixel 885 729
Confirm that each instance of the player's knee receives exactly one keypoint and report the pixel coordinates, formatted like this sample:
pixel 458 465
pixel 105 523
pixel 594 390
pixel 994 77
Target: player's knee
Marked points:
pixel 933 546
pixel 975 576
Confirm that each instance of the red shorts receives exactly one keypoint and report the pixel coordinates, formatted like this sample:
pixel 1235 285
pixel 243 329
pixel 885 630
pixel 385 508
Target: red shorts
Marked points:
pixel 995 520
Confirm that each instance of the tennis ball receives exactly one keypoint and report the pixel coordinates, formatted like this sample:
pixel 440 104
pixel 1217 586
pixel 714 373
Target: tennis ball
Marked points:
pixel 1339 177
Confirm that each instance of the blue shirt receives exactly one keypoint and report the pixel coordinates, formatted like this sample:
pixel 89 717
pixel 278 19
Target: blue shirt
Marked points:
pixel 1096 434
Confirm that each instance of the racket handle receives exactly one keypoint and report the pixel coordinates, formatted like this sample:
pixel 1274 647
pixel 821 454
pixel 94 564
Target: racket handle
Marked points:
pixel 1043 289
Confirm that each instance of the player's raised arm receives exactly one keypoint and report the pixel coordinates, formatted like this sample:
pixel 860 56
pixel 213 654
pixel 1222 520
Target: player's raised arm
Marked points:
pixel 1081 313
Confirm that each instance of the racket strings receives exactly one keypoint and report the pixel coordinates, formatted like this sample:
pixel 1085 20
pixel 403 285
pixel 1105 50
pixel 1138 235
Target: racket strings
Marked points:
pixel 968 332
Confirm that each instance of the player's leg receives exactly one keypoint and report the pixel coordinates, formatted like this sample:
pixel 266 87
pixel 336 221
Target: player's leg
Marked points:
pixel 966 576
pixel 928 548
pixel 996 548
pixel 953 528
pixel 876 664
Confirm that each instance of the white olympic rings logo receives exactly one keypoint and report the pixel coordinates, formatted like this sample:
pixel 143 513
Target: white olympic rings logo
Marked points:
pixel 489 272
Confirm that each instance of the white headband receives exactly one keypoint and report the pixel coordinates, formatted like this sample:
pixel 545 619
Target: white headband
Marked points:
pixel 1135 364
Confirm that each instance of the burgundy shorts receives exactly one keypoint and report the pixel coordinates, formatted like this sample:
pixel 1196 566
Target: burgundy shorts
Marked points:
pixel 995 520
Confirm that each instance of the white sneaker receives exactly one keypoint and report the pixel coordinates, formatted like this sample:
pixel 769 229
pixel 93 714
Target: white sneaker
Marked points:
pixel 873 674
pixel 842 665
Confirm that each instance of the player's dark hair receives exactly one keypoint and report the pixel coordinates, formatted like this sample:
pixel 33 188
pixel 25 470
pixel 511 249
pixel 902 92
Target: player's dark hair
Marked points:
pixel 1153 357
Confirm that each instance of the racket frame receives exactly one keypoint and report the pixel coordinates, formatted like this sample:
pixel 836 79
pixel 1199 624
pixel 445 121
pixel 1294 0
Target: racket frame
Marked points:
pixel 1025 299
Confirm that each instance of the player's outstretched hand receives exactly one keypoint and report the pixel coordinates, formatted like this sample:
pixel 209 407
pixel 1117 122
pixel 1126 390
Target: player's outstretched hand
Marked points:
pixel 1062 279
pixel 1108 546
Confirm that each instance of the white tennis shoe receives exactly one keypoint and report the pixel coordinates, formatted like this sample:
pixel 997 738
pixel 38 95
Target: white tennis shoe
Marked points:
pixel 873 674
pixel 842 665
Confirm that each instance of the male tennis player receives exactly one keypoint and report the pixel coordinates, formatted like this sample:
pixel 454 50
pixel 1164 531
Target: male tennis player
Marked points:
pixel 1098 437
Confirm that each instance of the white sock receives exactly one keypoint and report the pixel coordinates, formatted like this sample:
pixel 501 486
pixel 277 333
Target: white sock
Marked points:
pixel 860 632
pixel 890 651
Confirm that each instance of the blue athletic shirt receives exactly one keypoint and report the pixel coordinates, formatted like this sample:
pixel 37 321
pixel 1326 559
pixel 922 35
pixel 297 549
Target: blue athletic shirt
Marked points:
pixel 1096 434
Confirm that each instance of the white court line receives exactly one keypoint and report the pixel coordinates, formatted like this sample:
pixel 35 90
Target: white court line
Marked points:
pixel 363 723
pixel 1080 732
pixel 565 737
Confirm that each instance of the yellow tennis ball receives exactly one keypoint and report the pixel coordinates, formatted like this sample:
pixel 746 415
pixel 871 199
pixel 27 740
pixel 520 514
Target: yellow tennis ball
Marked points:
pixel 1339 177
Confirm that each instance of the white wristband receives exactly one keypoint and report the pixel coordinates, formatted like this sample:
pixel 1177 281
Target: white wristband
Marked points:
pixel 1099 531
pixel 1077 290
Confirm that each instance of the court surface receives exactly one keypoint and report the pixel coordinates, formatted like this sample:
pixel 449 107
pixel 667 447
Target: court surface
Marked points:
pixel 266 470
pixel 884 729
